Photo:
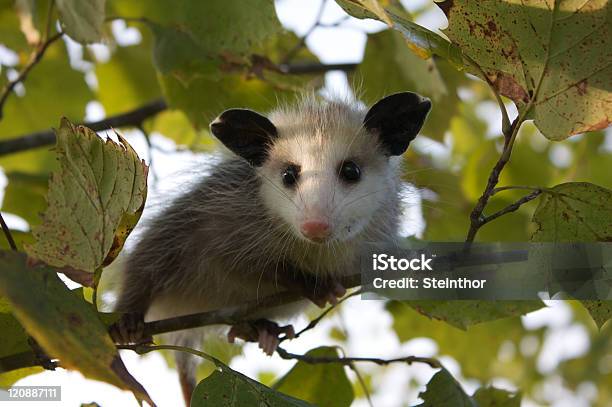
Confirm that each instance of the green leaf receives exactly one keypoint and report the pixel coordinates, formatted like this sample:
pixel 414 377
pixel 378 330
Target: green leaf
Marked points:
pixel 574 212
pixel 444 391
pixel 82 20
pixel 421 41
pixel 9 378
pixel 492 397
pixel 25 195
pixel 128 80
pixel 95 199
pixel 465 313
pixel 551 58
pixel 194 38
pixel 228 388
pixel 14 338
pixel 577 212
pixel 260 91
pixel 323 384
pixel 13 341
pixel 63 324
pixel 403 70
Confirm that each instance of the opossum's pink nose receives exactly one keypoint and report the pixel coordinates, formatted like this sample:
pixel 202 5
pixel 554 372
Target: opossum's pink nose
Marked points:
pixel 316 230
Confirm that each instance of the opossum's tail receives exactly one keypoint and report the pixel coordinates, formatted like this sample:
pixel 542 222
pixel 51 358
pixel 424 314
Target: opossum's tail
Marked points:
pixel 186 363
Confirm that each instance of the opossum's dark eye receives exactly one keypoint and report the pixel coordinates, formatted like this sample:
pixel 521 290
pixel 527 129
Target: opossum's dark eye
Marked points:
pixel 290 175
pixel 349 171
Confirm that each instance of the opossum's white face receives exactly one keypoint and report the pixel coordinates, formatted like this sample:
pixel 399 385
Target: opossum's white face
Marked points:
pixel 325 167
pixel 325 181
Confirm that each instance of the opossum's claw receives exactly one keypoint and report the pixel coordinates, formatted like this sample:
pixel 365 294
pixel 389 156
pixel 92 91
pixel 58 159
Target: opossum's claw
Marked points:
pixel 266 333
pixel 328 292
pixel 129 330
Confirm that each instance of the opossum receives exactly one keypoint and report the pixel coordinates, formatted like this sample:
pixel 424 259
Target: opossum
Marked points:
pixel 304 190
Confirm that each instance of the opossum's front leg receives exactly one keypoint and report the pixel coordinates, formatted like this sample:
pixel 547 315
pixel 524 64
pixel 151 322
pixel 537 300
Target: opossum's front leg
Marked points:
pixel 263 331
pixel 129 329
pixel 318 289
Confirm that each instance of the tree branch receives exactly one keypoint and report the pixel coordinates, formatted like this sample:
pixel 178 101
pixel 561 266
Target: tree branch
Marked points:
pixel 138 115
pixel 432 362
pixel 233 315
pixel 246 311
pixel 47 137
pixel 476 217
pixel 311 68
pixel 35 58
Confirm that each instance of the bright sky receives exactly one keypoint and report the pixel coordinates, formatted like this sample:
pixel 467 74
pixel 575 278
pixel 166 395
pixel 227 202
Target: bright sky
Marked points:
pixel 368 325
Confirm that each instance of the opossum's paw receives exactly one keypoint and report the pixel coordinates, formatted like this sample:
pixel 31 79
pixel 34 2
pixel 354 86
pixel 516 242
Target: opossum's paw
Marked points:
pixel 129 330
pixel 326 292
pixel 266 333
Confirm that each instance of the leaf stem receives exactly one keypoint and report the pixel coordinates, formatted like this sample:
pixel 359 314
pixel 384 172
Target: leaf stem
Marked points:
pixel 506 125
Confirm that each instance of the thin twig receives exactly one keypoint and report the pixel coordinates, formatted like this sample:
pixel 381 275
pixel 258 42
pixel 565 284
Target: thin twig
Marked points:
pixel 432 362
pixel 512 207
pixel 7 233
pixel 313 323
pixel 35 58
pixel 511 187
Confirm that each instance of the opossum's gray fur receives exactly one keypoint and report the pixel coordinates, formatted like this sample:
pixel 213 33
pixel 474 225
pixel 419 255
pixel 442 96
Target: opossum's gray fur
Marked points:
pixel 220 244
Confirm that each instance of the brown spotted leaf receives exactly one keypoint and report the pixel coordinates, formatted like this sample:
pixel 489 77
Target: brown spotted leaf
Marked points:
pixel 577 212
pixel 95 199
pixel 574 212
pixel 552 58
pixel 62 323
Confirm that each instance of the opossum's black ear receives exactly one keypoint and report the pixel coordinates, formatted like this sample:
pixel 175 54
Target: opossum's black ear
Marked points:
pixel 245 132
pixel 397 119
